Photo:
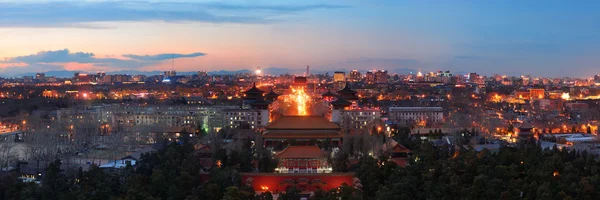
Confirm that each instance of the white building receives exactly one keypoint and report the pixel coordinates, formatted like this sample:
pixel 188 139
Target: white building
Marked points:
pixel 416 114
pixel 359 118
pixel 253 118
pixel 210 118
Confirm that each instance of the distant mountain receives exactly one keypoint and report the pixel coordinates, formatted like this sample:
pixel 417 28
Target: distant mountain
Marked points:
pixel 271 71
pixel 70 73
pixel 59 73
pixel 227 72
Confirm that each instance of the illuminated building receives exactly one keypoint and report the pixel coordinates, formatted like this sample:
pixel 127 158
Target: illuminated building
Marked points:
pixel 40 76
pixel 354 76
pixel 537 93
pixel 302 129
pixel 254 113
pixel 339 76
pixel 246 118
pixel 302 159
pixel 522 94
pixel 339 79
pixel 169 73
pixel 370 77
pixel 475 78
pixel 525 130
pixel 416 114
pixel 356 119
pixel 300 81
pixel 329 96
pixel 82 78
pixel 420 77
pixel 381 76
pixel 277 182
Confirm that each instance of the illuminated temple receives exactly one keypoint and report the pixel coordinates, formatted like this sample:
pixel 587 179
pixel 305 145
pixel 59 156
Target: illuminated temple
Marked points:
pixel 304 130
pixel 302 159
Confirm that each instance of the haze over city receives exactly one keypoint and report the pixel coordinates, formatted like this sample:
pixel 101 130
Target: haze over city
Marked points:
pixel 499 37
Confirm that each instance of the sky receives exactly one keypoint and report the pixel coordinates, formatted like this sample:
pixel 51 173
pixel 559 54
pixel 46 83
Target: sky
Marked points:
pixel 507 37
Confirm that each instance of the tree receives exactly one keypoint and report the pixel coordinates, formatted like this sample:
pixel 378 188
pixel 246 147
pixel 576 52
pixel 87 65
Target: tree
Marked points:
pixel 340 162
pixel 267 163
pixel 589 130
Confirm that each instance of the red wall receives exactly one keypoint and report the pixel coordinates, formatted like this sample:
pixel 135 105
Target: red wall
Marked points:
pixel 273 180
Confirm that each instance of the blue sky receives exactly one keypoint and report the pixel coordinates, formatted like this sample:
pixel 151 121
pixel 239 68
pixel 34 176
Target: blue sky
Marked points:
pixel 545 38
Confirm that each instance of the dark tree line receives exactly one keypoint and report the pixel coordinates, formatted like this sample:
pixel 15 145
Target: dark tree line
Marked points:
pixel 525 171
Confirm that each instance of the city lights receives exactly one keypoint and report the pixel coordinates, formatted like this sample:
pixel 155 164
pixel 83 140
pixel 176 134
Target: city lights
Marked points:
pixel 301 99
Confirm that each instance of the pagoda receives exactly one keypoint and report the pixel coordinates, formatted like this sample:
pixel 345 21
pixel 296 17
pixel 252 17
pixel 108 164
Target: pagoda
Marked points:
pixel 271 96
pixel 348 93
pixel 329 96
pixel 253 93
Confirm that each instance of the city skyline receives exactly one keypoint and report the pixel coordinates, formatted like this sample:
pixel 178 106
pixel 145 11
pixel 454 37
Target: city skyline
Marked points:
pixel 507 38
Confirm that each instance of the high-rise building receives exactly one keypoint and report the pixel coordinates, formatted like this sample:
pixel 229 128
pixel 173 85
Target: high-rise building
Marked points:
pixel 83 78
pixel 40 76
pixel 475 78
pixel 339 76
pixel 381 76
pixel 370 76
pixel 597 78
pixel 339 80
pixel 354 76
pixel 170 73
pixel 537 93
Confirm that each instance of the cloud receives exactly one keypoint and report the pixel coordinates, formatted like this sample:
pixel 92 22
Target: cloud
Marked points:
pixel 59 56
pixel 52 58
pixel 78 13
pixel 162 56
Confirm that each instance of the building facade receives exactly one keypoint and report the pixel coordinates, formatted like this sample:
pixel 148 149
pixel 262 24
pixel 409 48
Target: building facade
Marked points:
pixel 416 114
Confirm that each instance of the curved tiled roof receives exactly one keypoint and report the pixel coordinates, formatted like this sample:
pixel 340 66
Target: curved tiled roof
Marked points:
pixel 254 90
pixel 329 94
pixel 303 152
pixel 302 123
pixel 341 102
pixel 347 90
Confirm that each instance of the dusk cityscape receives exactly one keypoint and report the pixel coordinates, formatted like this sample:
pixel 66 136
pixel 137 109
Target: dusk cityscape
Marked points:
pixel 299 100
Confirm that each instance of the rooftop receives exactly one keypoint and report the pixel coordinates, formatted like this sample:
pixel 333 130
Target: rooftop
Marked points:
pixel 302 123
pixel 301 152
pixel 254 90
pixel 347 90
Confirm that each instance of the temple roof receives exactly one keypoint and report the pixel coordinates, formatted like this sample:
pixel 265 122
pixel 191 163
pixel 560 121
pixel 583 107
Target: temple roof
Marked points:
pixel 302 134
pixel 302 123
pixel 341 102
pixel 254 90
pixel 271 95
pixel 259 102
pixel 398 148
pixel 526 125
pixel 305 152
pixel 347 90
pixel 329 94
pixel 300 79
